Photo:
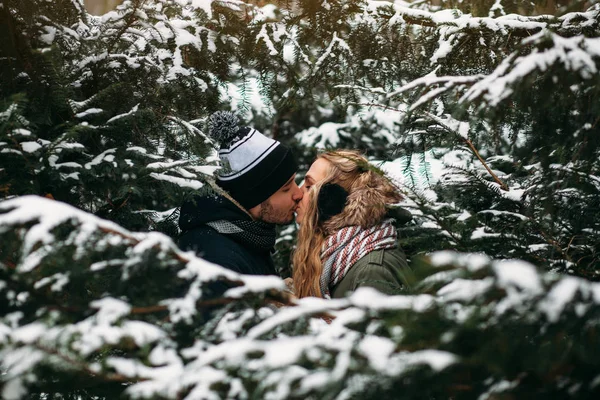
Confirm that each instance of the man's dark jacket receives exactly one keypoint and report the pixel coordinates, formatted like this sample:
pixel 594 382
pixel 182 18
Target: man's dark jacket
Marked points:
pixel 225 250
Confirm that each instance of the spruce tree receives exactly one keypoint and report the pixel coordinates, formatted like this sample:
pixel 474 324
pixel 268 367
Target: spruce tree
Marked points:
pixel 105 113
pixel 137 318
pixel 487 111
pixel 508 102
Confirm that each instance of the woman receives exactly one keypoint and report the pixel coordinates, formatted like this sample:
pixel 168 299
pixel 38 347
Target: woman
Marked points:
pixel 346 240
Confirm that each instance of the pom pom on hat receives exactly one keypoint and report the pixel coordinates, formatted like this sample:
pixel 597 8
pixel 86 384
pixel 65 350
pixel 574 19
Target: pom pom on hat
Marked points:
pixel 331 201
pixel 223 126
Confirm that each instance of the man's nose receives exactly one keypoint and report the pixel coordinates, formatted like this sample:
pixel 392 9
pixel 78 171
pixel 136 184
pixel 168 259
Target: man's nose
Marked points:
pixel 298 193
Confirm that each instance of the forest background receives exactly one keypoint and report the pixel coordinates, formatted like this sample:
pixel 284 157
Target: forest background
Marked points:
pixel 486 112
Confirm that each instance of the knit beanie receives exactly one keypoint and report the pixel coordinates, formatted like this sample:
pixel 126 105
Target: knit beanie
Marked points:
pixel 254 166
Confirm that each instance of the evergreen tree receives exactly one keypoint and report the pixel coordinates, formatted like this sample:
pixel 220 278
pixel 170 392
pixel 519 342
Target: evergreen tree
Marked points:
pixel 510 100
pixel 135 317
pixel 104 112
pixel 488 118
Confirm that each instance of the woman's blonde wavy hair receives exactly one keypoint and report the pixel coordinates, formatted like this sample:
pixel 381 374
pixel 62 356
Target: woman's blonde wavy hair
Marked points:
pixel 369 191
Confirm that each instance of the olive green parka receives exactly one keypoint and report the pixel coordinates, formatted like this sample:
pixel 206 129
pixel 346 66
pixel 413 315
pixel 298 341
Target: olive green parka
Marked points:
pixel 385 270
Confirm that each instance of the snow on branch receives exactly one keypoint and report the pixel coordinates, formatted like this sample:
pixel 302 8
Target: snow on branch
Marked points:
pixel 137 35
pixel 297 365
pixel 48 231
pixel 76 326
pixel 242 348
pixel 579 55
pixel 264 36
pixel 181 182
pixel 334 41
pixel 452 26
pixel 513 24
pixel 328 52
pixel 447 82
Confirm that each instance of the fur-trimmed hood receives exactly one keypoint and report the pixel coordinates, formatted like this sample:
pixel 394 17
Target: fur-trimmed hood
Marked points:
pixel 366 205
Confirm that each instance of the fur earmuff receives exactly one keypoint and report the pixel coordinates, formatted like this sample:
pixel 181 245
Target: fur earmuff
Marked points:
pixel 365 207
pixel 367 203
pixel 330 201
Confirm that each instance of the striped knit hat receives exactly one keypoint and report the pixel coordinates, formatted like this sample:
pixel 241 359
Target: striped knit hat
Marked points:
pixel 254 166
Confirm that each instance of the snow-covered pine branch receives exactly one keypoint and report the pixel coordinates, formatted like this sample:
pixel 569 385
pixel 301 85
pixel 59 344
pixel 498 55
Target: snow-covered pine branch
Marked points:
pixel 577 55
pixel 570 24
pixel 93 332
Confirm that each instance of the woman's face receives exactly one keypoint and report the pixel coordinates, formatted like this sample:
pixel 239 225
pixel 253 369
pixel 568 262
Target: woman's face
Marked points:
pixel 316 173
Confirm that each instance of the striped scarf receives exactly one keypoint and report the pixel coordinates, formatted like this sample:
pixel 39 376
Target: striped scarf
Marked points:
pixel 344 248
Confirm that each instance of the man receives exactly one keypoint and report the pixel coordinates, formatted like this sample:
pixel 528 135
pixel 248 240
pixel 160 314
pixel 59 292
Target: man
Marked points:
pixel 235 227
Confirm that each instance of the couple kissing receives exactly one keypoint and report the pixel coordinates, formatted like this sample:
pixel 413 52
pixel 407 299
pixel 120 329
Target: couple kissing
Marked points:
pixel 347 236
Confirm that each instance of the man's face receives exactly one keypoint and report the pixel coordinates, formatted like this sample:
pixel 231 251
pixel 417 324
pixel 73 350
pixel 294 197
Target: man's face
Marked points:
pixel 316 173
pixel 280 207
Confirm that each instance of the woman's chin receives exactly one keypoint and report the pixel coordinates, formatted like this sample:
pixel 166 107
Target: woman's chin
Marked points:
pixel 298 219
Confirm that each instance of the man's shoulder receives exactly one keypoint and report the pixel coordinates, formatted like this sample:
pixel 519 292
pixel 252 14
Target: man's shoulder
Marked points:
pixel 206 239
pixel 200 209
pixel 220 249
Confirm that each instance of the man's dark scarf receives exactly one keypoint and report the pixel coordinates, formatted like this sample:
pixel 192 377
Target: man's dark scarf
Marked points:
pixel 257 234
